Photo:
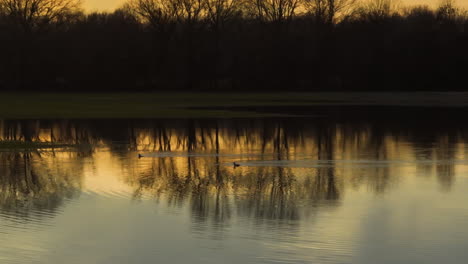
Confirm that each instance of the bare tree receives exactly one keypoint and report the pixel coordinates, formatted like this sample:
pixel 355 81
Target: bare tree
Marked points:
pixel 277 11
pixel 157 13
pixel 34 14
pixel 31 17
pixel 189 11
pixel 379 9
pixel 448 10
pixel 328 11
pixel 218 12
pixel 162 12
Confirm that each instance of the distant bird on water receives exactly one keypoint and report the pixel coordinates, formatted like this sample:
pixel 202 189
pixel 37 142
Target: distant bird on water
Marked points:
pixel 140 156
pixel 236 164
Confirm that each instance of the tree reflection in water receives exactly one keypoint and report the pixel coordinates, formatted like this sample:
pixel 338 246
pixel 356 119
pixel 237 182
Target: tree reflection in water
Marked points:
pixel 31 181
pixel 42 180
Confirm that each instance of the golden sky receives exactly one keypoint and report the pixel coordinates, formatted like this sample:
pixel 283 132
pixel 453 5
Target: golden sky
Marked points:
pixel 101 5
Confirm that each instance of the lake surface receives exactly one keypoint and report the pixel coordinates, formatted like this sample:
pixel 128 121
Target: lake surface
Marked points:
pixel 309 190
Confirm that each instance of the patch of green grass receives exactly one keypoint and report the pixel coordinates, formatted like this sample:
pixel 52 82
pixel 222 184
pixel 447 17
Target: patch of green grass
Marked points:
pixel 187 105
pixel 132 105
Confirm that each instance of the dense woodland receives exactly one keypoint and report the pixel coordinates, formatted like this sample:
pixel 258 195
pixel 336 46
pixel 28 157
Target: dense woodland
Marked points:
pixel 227 45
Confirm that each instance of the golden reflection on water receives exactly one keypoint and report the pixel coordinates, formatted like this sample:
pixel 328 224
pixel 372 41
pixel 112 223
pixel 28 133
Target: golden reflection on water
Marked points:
pixel 330 158
pixel 331 191
pixel 35 181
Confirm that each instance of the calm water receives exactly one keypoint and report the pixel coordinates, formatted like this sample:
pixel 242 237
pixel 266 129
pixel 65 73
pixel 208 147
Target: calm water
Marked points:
pixel 308 191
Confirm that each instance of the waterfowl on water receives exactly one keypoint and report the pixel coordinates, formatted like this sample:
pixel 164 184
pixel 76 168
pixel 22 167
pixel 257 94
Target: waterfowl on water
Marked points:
pixel 140 156
pixel 236 164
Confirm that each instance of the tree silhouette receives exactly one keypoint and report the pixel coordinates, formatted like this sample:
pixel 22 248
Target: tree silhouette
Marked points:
pixel 326 11
pixel 32 15
pixel 263 45
pixel 276 11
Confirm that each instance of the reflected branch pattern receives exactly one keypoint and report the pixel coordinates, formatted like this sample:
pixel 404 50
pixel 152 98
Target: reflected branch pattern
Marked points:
pixel 34 181
pixel 289 169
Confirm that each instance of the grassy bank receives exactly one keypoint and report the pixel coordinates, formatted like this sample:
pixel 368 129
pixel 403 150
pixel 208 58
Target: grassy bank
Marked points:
pixel 189 105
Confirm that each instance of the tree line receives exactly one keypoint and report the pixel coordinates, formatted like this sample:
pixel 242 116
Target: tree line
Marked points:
pixel 232 45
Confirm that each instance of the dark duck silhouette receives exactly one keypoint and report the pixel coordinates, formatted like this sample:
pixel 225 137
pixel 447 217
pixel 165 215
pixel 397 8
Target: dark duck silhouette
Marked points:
pixel 140 156
pixel 236 164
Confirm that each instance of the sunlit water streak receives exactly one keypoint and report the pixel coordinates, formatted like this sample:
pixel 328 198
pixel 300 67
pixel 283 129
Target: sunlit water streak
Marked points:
pixel 342 163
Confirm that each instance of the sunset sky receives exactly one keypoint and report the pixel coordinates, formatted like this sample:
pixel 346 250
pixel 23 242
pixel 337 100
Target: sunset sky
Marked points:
pixel 92 5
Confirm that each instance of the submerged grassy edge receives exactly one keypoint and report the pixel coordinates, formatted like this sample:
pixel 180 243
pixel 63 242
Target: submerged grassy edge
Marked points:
pixel 18 144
